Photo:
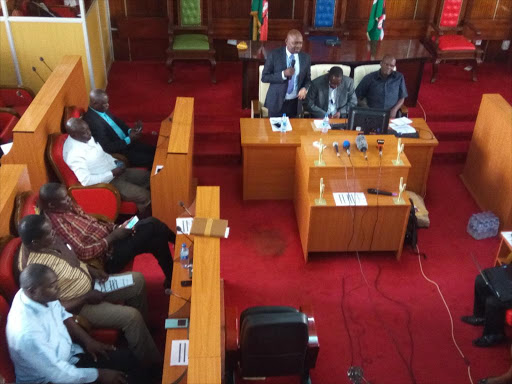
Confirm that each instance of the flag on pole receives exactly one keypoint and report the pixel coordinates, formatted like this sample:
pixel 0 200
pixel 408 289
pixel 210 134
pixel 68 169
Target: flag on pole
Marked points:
pixel 375 30
pixel 259 21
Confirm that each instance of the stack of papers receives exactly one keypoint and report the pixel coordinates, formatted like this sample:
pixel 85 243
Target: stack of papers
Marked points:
pixel 115 283
pixel 319 125
pixel 276 124
pixel 349 198
pixel 401 125
pixel 185 223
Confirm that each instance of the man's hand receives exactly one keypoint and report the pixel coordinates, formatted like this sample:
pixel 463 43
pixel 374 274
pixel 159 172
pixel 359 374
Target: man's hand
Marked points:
pixel 302 93
pixel 98 274
pixel 120 232
pixel 94 297
pixel 95 348
pixel 109 376
pixel 289 72
pixel 393 112
pixel 118 171
pixel 135 134
pixel 336 115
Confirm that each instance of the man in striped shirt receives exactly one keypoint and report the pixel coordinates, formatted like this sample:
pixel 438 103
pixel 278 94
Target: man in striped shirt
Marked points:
pixel 75 281
pixel 104 243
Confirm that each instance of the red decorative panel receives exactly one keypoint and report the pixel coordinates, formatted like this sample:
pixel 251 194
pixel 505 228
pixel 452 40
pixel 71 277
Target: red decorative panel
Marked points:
pixel 450 14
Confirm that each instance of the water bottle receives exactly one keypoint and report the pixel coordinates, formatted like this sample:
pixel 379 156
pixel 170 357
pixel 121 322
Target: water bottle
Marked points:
pixel 184 256
pixel 325 123
pixel 284 123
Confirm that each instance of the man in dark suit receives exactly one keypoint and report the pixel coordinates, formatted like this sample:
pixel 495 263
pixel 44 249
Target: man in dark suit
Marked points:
pixel 332 94
pixel 288 70
pixel 114 135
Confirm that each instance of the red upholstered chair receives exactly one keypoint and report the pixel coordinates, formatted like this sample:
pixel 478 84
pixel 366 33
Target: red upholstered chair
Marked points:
pixel 446 40
pixel 6 366
pixel 8 120
pixel 8 275
pixel 101 200
pixel 16 97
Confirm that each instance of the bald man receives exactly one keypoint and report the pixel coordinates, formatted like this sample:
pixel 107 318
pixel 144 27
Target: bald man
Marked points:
pixel 114 135
pixel 92 165
pixel 288 70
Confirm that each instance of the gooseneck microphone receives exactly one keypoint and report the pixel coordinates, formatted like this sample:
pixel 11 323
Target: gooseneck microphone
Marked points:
pixel 362 145
pixel 178 229
pixel 346 146
pixel 336 148
pixel 182 205
pixel 38 75
pixel 380 146
pixel 375 191
pixel 44 62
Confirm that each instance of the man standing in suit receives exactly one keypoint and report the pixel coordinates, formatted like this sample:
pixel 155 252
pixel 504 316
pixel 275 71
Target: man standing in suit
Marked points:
pixel 114 135
pixel 288 70
pixel 332 94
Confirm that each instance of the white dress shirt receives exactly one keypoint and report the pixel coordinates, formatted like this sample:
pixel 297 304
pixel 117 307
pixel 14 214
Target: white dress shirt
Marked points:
pixel 40 346
pixel 90 163
pixel 331 109
pixel 295 92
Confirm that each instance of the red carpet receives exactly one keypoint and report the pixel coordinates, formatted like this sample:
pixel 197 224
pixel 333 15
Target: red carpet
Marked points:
pixel 396 327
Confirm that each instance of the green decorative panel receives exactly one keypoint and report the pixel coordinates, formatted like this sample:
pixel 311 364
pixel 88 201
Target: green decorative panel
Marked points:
pixel 190 12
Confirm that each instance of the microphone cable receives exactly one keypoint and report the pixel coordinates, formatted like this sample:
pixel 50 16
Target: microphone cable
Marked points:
pixel 466 360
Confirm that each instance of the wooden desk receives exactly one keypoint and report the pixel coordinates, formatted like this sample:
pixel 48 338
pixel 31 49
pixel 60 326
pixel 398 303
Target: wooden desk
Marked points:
pixel 269 157
pixel 64 87
pixel 411 55
pixel 174 151
pixel 379 226
pixel 14 179
pixel 206 352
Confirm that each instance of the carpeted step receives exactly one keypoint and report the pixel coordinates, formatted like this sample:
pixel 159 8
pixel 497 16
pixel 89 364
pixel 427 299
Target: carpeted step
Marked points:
pixel 452 130
pixel 451 151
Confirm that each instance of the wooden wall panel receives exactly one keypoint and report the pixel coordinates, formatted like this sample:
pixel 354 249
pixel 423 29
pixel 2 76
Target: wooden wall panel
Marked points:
pixel 229 9
pixel 482 9
pixel 504 10
pixel 423 9
pixel 400 9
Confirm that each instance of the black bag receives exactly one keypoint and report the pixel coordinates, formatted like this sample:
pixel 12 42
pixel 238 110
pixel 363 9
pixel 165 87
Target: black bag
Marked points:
pixel 411 234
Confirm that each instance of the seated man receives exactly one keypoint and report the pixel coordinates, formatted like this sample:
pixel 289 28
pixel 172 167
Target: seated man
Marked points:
pixel 75 281
pixel 114 246
pixel 332 94
pixel 383 89
pixel 92 165
pixel 114 135
pixel 47 345
pixel 488 311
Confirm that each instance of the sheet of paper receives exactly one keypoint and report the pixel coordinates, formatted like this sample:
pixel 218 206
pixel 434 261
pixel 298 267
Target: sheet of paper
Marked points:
pixel 319 124
pixel 114 283
pixel 158 168
pixel 278 121
pixel 227 233
pixel 185 223
pixel 6 148
pixel 404 129
pixel 508 237
pixel 344 199
pixel 179 352
pixel 401 121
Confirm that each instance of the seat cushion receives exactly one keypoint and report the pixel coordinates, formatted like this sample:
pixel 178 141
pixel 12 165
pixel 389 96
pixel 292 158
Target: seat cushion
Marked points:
pixel 191 42
pixel 455 43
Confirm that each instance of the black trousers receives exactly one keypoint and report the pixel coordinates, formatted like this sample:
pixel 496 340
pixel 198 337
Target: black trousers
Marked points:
pixel 150 236
pixel 140 154
pixel 488 306
pixel 118 360
pixel 290 107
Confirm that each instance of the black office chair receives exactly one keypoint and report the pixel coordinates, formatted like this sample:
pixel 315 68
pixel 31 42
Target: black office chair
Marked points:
pixel 273 341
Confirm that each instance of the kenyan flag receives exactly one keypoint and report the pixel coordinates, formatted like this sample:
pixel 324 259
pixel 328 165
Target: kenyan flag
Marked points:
pixel 375 30
pixel 260 8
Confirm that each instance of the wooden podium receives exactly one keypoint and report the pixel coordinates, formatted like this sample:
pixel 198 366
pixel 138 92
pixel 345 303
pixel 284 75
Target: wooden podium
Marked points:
pixel 488 170
pixel 378 226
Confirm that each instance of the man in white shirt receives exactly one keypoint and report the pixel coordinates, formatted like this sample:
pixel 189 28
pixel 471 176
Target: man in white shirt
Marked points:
pixel 41 336
pixel 92 165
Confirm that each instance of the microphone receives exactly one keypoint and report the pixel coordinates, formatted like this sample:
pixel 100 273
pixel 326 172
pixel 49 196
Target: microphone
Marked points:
pixel 38 75
pixel 375 191
pixel 336 148
pixel 44 62
pixel 346 146
pixel 182 205
pixel 380 146
pixel 178 229
pixel 292 65
pixel 362 145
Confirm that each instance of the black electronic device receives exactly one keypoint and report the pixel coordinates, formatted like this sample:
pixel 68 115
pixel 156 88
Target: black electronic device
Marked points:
pixel 339 126
pixel 186 283
pixel 368 120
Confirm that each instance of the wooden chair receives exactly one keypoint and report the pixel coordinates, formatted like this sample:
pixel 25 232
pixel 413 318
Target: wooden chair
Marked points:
pixel 445 40
pixel 190 38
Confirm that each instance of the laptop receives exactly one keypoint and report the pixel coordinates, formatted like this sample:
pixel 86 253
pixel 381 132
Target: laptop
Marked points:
pixel 499 279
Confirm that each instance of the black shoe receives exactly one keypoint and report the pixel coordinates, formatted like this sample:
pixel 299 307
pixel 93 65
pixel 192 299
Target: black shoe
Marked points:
pixel 489 340
pixel 473 320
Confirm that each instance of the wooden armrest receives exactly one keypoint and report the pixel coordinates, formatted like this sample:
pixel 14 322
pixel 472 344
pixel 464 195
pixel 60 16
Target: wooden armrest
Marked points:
pixel 313 343
pixel 12 111
pixel 19 88
pixel 255 109
pixel 437 30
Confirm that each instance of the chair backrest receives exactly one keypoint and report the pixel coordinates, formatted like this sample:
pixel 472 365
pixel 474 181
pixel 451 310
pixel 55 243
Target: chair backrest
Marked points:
pixel 273 341
pixel 262 92
pixel 450 13
pixel 318 70
pixel 69 112
pixel 54 155
pixel 26 204
pixel 12 96
pixel 7 123
pixel 363 70
pixel 8 271
pixel 6 366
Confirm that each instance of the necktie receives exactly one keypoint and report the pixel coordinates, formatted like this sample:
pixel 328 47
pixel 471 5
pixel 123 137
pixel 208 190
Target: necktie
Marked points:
pixel 291 81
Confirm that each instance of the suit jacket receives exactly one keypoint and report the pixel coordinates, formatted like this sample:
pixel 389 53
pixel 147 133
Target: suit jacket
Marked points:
pixel 317 100
pixel 272 73
pixel 104 134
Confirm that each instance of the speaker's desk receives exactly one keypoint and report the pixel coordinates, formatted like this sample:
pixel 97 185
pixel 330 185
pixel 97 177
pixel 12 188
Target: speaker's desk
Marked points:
pixel 377 226
pixel 269 157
